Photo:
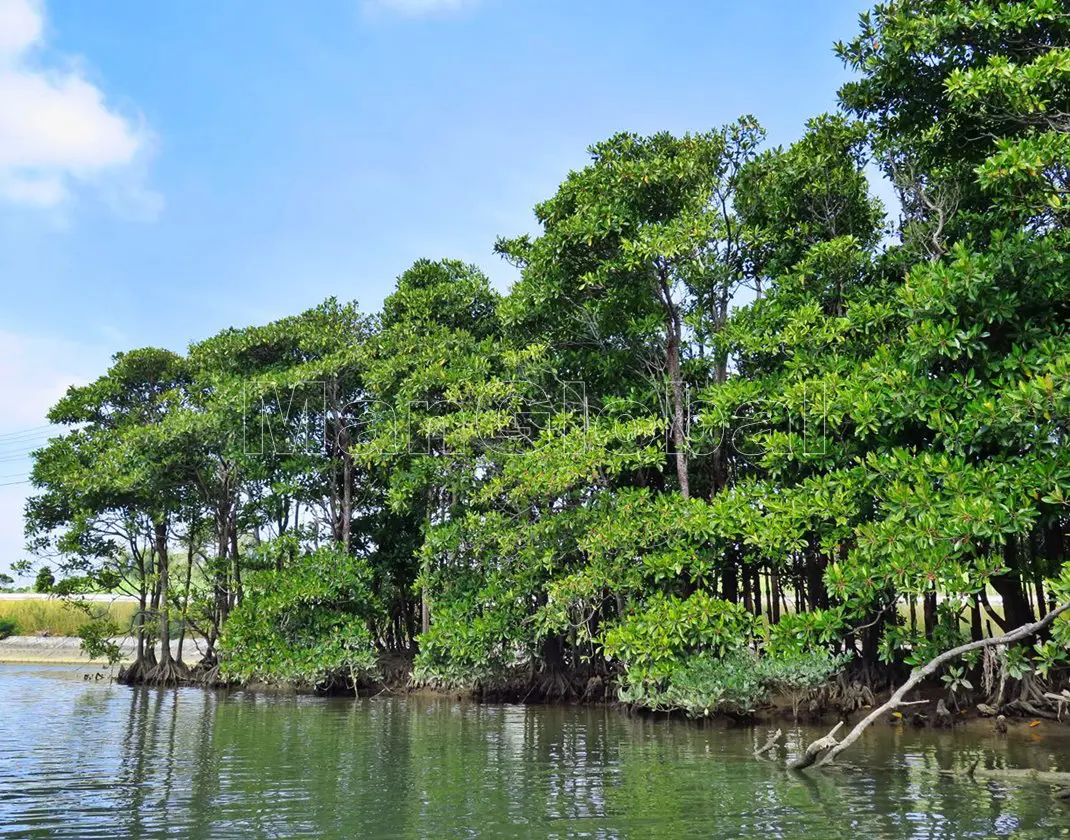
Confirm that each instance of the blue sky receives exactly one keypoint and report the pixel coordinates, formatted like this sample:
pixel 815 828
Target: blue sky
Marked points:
pixel 171 168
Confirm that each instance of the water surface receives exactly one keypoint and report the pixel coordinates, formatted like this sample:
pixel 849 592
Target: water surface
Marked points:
pixel 89 760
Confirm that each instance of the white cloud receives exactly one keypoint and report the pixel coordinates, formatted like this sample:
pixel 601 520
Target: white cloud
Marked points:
pixel 20 26
pixel 418 8
pixel 56 127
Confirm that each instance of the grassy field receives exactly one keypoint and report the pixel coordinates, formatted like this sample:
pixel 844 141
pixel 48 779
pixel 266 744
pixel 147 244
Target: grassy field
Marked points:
pixel 60 619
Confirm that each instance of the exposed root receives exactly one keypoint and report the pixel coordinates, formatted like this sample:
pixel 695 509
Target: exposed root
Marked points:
pixel 170 672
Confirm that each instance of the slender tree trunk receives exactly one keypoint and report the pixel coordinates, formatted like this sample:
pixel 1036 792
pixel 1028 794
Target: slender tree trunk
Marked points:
pixel 679 432
pixel 185 596
pixel 236 594
pixel 673 339
pixel 425 600
pixel 929 604
pixel 163 563
pixel 347 499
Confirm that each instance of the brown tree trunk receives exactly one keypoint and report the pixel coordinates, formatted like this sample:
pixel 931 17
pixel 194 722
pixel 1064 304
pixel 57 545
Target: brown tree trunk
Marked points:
pixel 236 593
pixel 1016 610
pixel 929 605
pixel 186 584
pixel 673 338
pixel 163 565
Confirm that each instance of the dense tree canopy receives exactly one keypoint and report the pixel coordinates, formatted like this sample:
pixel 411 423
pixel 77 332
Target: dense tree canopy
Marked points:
pixel 733 429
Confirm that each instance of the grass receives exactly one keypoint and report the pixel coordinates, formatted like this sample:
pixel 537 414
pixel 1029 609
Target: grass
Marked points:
pixel 58 618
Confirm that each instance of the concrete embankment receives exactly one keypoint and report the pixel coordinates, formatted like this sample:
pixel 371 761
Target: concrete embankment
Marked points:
pixel 67 650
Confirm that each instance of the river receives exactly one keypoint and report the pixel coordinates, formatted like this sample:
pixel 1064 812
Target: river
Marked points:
pixel 91 759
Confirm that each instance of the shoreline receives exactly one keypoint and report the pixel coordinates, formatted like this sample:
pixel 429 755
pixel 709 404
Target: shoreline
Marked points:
pixel 66 650
pixel 62 650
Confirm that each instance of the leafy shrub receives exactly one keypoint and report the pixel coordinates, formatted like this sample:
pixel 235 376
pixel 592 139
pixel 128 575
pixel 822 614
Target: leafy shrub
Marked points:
pixel 477 636
pixel 701 685
pixel 8 627
pixel 306 625
pixel 736 684
pixel 799 632
pixel 653 642
pixel 796 674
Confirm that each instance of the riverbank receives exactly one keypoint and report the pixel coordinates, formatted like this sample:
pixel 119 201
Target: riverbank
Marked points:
pixel 845 702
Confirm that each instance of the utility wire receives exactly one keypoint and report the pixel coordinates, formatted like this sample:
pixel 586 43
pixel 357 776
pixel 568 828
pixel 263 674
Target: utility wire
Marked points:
pixel 18 456
pixel 36 431
pixel 23 445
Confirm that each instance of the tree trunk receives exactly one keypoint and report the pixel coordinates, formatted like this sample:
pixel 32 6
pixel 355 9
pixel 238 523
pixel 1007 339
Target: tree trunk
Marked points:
pixel 163 563
pixel 673 340
pixel 185 596
pixel 929 604
pixel 236 593
pixel 1016 610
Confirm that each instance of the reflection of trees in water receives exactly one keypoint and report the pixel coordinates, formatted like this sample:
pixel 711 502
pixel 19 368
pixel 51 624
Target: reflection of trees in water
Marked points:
pixel 204 764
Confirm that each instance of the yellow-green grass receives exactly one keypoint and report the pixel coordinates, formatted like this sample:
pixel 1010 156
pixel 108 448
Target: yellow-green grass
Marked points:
pixel 58 618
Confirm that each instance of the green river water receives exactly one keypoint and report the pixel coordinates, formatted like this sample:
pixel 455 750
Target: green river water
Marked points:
pixel 90 759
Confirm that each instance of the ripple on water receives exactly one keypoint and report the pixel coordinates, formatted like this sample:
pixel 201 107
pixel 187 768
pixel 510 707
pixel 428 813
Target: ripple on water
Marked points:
pixel 87 760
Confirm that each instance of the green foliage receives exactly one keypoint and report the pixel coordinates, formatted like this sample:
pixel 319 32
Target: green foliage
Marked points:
pixel 45 580
pixel 306 625
pixel 729 420
pixel 736 683
pixel 96 636
pixel 807 631
pixel 653 641
pixel 8 627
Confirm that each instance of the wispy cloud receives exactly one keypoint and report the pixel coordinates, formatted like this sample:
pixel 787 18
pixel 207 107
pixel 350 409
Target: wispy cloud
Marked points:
pixel 56 128
pixel 418 8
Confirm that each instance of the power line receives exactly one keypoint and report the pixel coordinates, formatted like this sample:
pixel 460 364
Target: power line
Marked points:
pixel 13 446
pixel 34 432
pixel 18 456
pixel 13 483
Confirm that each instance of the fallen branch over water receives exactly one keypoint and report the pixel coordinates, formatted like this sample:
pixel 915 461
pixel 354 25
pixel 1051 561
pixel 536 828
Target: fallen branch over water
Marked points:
pixel 817 749
pixel 769 744
pixel 828 752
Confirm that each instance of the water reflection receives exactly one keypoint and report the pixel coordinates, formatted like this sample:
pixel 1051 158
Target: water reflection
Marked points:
pixel 89 760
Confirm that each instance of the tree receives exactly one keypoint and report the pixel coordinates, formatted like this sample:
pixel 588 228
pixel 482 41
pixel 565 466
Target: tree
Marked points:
pixel 44 581
pixel 108 491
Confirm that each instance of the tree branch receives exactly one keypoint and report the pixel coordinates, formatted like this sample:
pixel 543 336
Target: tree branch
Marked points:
pixel 919 674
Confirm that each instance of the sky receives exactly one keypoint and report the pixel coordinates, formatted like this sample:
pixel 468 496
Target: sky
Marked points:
pixel 173 168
